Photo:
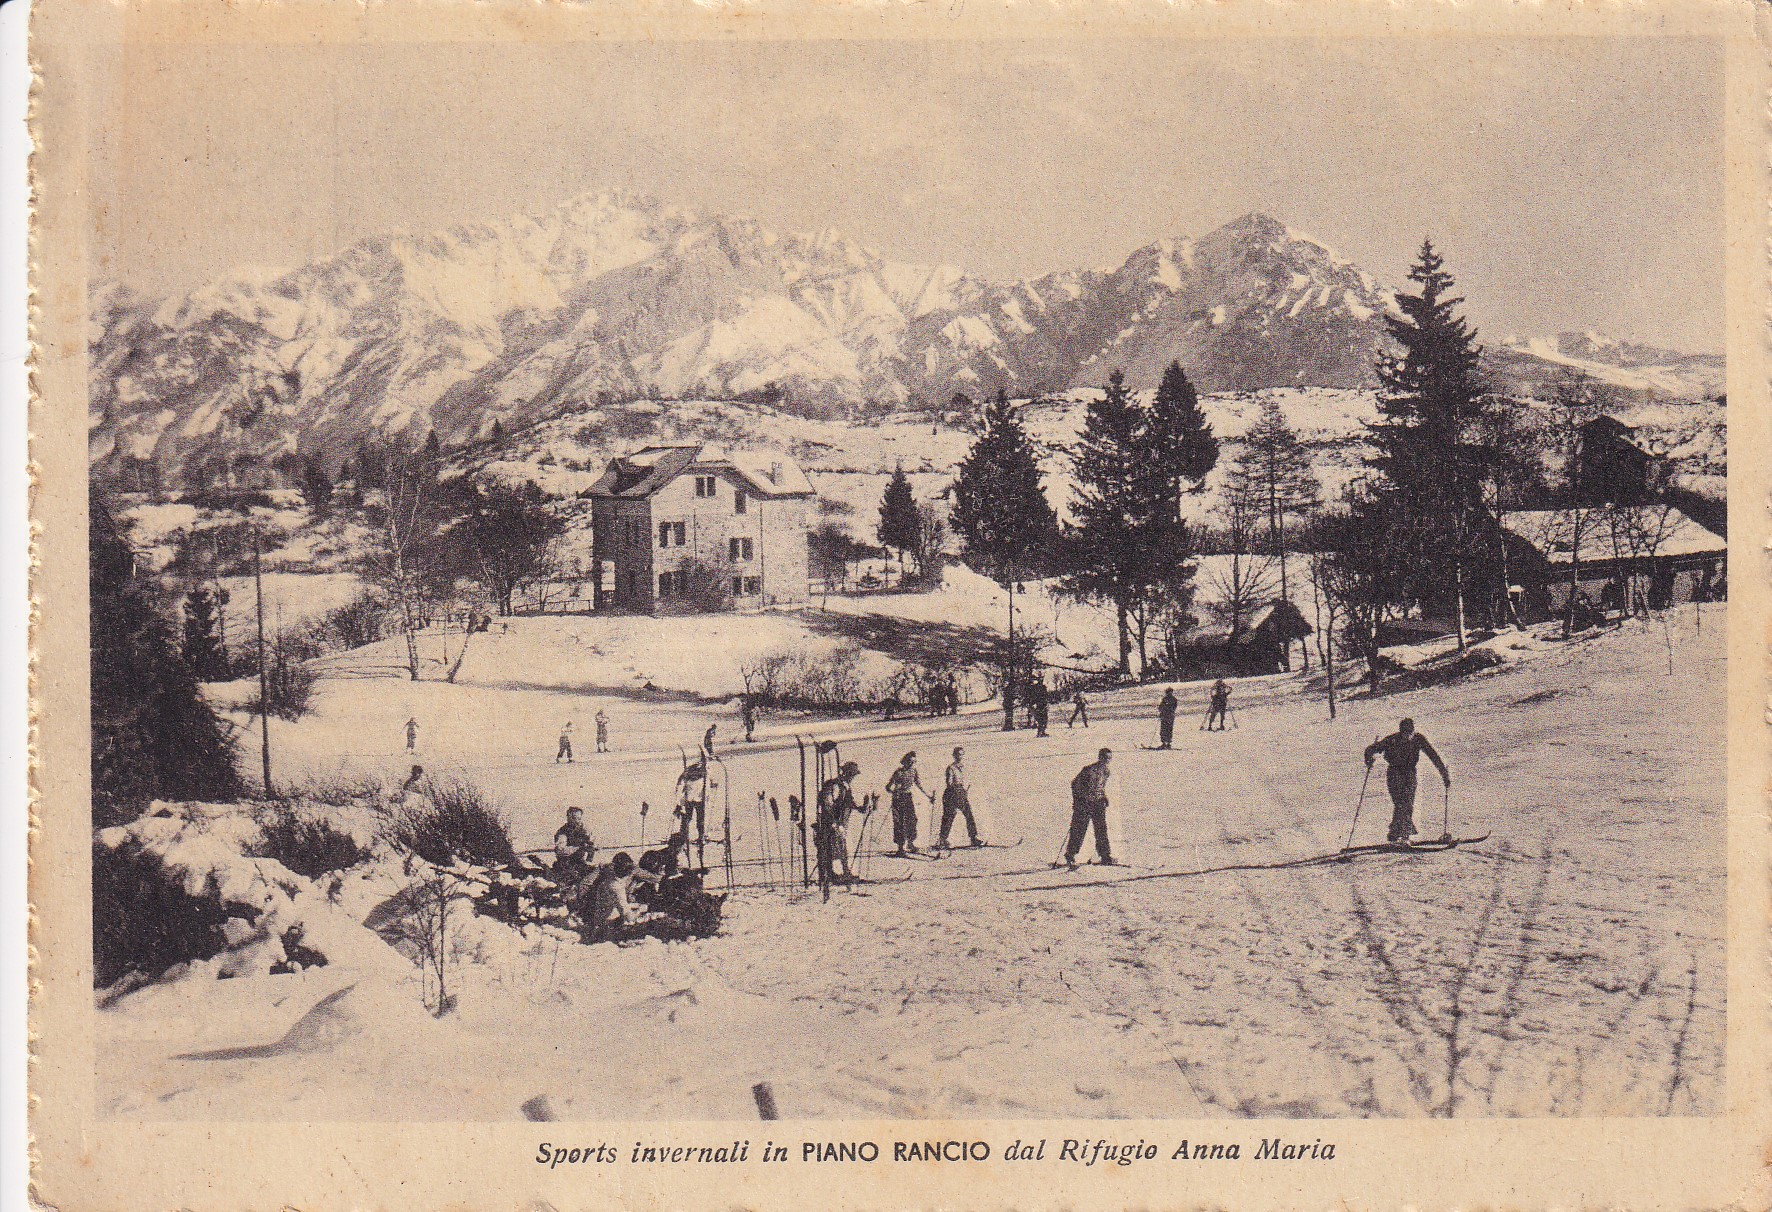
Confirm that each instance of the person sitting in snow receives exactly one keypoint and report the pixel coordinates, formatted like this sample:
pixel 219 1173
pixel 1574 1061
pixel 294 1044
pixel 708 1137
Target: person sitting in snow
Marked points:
pixel 573 848
pixel 605 904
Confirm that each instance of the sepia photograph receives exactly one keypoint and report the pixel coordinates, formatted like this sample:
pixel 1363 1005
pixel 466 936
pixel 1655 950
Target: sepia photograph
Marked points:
pixel 1050 578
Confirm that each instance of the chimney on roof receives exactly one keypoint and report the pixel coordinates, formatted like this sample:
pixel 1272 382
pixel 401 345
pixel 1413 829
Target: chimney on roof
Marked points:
pixel 775 473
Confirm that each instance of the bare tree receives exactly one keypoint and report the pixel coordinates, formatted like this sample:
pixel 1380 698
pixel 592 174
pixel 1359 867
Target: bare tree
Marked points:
pixel 1572 407
pixel 1248 582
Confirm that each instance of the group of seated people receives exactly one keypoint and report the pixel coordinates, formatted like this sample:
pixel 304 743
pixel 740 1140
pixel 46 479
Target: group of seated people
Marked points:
pixel 620 899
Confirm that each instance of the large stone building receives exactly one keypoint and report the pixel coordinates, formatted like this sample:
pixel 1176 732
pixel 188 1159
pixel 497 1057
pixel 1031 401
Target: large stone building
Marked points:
pixel 679 527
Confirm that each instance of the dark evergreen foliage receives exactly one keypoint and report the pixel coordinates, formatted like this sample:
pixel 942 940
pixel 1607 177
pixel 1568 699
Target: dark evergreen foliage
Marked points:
pixel 203 649
pixel 898 523
pixel 153 736
pixel 1001 515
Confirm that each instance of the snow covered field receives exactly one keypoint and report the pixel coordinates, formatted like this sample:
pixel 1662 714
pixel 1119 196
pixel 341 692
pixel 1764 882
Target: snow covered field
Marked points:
pixel 1570 965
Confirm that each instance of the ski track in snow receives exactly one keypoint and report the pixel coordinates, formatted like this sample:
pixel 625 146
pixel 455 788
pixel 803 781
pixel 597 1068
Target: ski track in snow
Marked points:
pixel 1572 964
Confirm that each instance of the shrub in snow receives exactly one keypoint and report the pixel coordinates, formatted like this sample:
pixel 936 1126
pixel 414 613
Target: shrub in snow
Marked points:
pixel 455 821
pixel 306 845
pixel 142 919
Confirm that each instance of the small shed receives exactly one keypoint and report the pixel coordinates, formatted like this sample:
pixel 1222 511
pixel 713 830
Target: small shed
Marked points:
pixel 1261 645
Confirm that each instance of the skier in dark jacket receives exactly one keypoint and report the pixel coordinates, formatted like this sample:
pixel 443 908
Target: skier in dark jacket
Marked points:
pixel 830 830
pixel 573 848
pixel 1402 749
pixel 1166 719
pixel 1220 702
pixel 1039 705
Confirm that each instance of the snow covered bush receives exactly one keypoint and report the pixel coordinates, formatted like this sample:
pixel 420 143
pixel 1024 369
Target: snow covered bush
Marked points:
pixel 143 921
pixel 455 822
pixel 310 846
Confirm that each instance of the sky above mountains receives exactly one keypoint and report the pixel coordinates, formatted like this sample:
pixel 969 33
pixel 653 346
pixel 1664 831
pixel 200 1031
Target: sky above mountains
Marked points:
pixel 1572 183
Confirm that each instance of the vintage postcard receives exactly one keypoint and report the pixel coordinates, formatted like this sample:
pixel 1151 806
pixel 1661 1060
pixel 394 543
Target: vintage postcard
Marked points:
pixel 788 605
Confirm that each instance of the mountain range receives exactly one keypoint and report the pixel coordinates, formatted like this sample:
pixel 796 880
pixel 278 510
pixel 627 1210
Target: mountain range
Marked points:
pixel 616 296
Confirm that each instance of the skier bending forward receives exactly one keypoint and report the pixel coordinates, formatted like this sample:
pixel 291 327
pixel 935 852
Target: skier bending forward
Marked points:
pixel 1402 749
pixel 1089 802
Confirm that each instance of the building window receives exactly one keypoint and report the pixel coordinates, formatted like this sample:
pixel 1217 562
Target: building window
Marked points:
pixel 752 586
pixel 738 587
pixel 738 550
pixel 672 534
pixel 667 584
pixel 708 486
pixel 740 501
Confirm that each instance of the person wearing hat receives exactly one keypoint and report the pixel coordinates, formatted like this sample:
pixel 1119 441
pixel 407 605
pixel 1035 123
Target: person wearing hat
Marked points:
pixel 904 780
pixel 836 804
pixel 1218 705
pixel 1402 751
pixel 1166 719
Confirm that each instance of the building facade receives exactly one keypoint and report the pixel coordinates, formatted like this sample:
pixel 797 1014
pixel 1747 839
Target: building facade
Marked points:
pixel 694 528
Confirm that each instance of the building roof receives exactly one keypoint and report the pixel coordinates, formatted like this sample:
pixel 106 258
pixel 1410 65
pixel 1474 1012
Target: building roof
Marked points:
pixel 641 473
pixel 1276 619
pixel 1617 532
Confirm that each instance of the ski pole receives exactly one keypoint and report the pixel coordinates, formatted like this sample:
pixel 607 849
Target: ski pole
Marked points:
pixel 1358 806
pixel 1446 814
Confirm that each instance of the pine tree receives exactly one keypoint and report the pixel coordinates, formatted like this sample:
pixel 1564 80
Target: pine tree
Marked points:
pixel 1180 437
pixel 898 525
pixel 153 736
pixel 203 648
pixel 1277 468
pixel 1005 524
pixel 1429 457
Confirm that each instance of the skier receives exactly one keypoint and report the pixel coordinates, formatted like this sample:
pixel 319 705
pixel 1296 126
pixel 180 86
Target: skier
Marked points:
pixel 573 848
pixel 951 692
pixel 1221 699
pixel 602 731
pixel 692 800
pixel 956 799
pixel 836 804
pixel 564 752
pixel 1402 749
pixel 1089 803
pixel 904 806
pixel 412 734
pixel 747 707
pixel 1166 719
pixel 1040 705
pixel 707 741
pixel 1079 710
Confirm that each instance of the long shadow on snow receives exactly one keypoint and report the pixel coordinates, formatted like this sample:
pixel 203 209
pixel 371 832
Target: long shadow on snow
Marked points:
pixel 908 639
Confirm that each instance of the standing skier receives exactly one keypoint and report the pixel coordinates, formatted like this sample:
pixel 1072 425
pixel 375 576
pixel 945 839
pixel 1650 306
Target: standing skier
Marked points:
pixel 602 731
pixel 1166 719
pixel 1089 802
pixel 411 734
pixel 564 752
pixel 1039 705
pixel 1079 710
pixel 707 741
pixel 836 804
pixel 747 706
pixel 904 805
pixel 956 799
pixel 1221 700
pixel 1402 749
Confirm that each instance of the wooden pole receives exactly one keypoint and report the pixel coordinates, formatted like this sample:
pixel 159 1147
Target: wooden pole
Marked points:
pixel 264 697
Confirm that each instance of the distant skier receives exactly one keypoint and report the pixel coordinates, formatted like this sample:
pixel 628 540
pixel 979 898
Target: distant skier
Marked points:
pixel 1166 719
pixel 1402 749
pixel 1089 803
pixel 836 804
pixel 951 692
pixel 692 801
pixel 573 848
pixel 564 752
pixel 1039 705
pixel 1079 710
pixel 602 731
pixel 904 805
pixel 1220 702
pixel 747 706
pixel 707 741
pixel 411 734
pixel 956 800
